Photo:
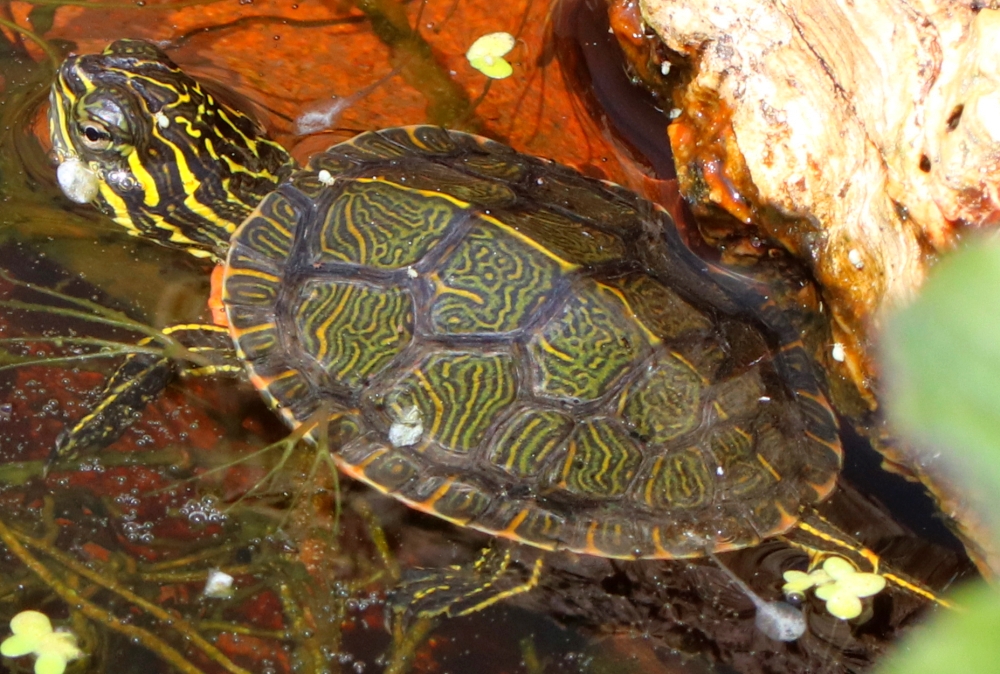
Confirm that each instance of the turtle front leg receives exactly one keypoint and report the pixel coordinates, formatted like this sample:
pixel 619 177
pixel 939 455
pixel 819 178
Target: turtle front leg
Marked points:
pixel 140 380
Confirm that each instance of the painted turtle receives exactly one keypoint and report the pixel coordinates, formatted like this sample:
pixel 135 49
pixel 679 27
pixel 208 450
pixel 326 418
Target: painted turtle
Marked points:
pixel 489 337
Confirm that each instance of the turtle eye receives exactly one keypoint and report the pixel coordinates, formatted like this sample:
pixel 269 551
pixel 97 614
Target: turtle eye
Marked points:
pixel 95 137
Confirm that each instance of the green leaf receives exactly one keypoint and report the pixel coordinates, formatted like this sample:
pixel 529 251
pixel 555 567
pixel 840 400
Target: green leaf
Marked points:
pixel 942 368
pixel 486 55
pixel 50 663
pixel 942 363
pixel 955 642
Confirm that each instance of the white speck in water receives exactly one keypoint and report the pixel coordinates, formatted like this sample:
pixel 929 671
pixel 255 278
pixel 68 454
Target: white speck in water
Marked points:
pixel 162 120
pixel 839 353
pixel 78 181
pixel 854 257
pixel 665 68
pixel 325 177
pixel 675 113
pixel 411 272
pixel 407 429
pixel 719 471
pixel 219 585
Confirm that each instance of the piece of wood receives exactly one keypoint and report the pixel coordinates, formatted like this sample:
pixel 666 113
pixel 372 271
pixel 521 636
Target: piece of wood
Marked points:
pixel 870 136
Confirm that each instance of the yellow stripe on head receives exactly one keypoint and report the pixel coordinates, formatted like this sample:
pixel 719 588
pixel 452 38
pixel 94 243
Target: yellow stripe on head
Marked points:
pixel 163 149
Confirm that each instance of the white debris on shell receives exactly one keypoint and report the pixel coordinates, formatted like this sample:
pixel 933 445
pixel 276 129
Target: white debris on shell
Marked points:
pixel 839 353
pixel 407 429
pixel 411 272
pixel 162 120
pixel 218 585
pixel 325 177
pixel 854 257
pixel 78 181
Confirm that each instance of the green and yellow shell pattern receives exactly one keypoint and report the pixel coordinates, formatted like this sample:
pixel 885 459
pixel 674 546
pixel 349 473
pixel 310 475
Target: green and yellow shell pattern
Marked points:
pixel 487 336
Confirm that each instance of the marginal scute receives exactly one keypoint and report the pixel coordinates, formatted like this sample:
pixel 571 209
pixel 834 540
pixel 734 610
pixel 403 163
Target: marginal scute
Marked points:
pixel 727 529
pixel 256 342
pixel 532 524
pixel 821 467
pixel 573 192
pixel 371 145
pixel 818 417
pixel 424 139
pixel 452 498
pixel 329 161
pixel 270 229
pixel 286 387
pixel 246 317
pixel 342 427
pixel 248 287
pixel 796 368
pixel 434 179
pixel 491 283
pixel 614 537
pixel 244 258
pixel 491 166
pixel 389 469
pixel 779 510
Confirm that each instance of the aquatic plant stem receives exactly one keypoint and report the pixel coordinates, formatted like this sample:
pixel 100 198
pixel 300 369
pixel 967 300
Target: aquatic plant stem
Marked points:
pixel 16 542
pixel 447 102
pixel 54 58
pixel 92 611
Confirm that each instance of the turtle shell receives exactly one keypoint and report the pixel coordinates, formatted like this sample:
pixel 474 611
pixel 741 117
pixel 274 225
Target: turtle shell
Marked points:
pixel 505 343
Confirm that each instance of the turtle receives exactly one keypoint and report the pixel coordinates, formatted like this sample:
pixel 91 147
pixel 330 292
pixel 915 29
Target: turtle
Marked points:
pixel 490 337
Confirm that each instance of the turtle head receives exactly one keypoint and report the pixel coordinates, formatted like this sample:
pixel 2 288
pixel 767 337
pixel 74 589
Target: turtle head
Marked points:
pixel 149 146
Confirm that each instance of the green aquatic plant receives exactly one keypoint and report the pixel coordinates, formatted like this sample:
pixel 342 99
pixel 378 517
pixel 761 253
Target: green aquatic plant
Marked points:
pixel 33 635
pixel 487 55
pixel 837 583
